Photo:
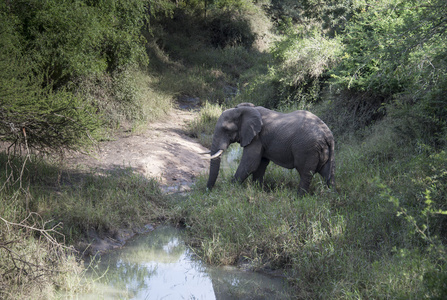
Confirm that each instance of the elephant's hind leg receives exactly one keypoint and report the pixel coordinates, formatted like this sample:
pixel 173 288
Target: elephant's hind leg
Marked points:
pixel 306 178
pixel 306 169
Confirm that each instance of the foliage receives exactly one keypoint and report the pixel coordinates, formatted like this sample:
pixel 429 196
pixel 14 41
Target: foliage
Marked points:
pixel 306 49
pixel 230 29
pixel 389 51
pixel 34 116
pixel 394 47
pixel 52 54
pixel 54 120
pixel 329 16
pixel 74 38
pixel 127 98
pixel 202 128
pixel 302 62
pixel 192 66
pixel 427 221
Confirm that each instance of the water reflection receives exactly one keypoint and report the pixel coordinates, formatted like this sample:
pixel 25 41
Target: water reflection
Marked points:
pixel 159 266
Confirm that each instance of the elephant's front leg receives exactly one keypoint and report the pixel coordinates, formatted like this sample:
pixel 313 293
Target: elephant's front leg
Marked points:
pixel 250 161
pixel 258 175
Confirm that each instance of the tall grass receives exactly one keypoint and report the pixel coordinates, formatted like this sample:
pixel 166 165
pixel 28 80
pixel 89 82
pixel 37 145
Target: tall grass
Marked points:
pixel 202 127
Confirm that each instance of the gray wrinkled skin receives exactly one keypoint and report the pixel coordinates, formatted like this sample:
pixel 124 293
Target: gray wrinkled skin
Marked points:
pixel 297 140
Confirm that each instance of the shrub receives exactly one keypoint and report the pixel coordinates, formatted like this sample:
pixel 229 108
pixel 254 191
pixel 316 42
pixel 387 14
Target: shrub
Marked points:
pixel 229 29
pixel 33 116
pixel 69 39
pixel 127 98
pixel 203 126
pixel 47 45
pixel 303 61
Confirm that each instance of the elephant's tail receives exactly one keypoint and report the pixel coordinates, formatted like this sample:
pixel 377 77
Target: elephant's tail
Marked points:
pixel 327 170
pixel 331 180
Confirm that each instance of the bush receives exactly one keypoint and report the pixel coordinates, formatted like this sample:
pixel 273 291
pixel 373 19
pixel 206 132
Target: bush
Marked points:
pixel 386 51
pixel 33 116
pixel 46 46
pixel 68 39
pixel 426 214
pixel 127 98
pixel 302 62
pixel 229 30
pixel 348 112
pixel 260 90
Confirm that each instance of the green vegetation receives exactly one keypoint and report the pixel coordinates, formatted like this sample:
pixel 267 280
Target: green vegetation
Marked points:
pixel 374 71
pixel 72 73
pixel 71 70
pixel 378 238
pixel 57 208
pixel 202 127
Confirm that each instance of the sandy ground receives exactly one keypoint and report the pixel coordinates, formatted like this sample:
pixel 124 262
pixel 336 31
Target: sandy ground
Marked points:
pixel 163 151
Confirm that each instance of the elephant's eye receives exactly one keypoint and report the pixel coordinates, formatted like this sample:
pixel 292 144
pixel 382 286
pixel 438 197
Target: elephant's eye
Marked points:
pixel 227 132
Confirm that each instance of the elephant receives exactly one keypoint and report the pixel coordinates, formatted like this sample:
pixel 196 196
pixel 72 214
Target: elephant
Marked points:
pixel 298 139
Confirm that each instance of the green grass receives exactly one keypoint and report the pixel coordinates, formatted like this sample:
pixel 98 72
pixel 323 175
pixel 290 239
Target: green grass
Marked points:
pixel 202 127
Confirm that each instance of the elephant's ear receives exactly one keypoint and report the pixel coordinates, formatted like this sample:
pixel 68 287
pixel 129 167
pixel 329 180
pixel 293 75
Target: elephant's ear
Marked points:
pixel 251 125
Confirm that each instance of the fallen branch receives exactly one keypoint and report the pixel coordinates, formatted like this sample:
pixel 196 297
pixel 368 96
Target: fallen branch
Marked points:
pixel 39 264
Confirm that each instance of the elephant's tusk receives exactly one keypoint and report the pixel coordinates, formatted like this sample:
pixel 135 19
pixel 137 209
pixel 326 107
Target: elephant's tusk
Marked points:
pixel 217 154
pixel 206 152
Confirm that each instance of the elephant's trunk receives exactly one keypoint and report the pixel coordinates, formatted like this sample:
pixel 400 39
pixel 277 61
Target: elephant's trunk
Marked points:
pixel 220 144
pixel 214 171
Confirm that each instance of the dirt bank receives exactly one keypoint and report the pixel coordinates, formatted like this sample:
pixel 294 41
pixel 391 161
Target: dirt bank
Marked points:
pixel 164 151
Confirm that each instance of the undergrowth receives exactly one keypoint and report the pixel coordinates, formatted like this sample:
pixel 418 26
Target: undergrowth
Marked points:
pixel 46 208
pixel 202 127
pixel 128 98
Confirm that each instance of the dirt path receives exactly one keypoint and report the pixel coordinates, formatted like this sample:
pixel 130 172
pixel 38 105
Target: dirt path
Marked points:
pixel 163 151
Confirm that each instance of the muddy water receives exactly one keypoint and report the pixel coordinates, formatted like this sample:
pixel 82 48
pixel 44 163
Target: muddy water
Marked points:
pixel 159 265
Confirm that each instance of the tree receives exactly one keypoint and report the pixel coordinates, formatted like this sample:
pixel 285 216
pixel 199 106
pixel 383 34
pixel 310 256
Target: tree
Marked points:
pixel 29 114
